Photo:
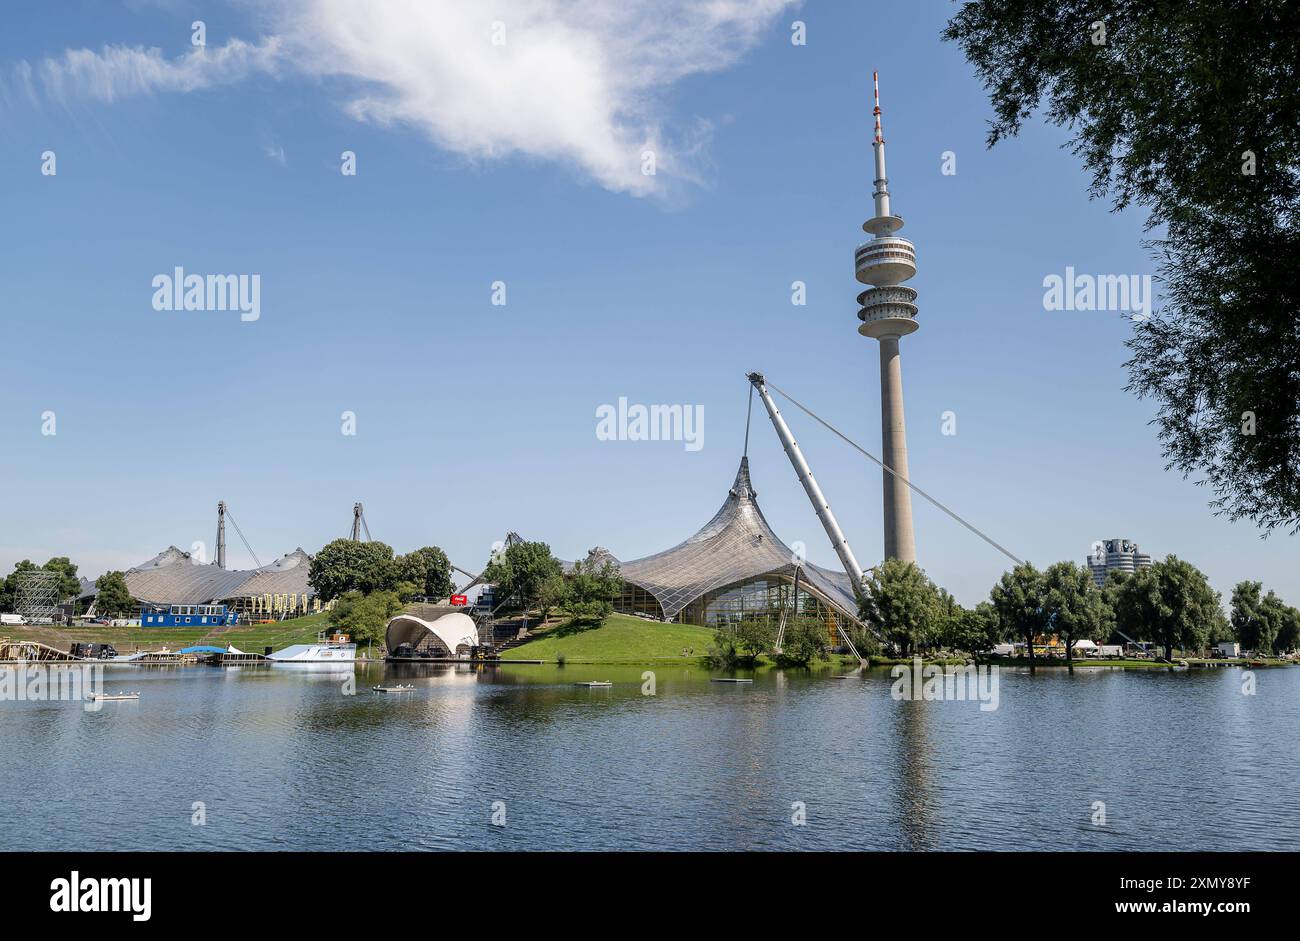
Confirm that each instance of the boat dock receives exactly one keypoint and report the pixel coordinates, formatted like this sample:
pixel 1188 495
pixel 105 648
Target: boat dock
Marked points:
pixel 31 651
pixel 240 658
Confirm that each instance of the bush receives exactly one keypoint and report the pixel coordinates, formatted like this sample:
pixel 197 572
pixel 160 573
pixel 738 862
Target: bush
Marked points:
pixel 742 642
pixel 804 642
pixel 365 616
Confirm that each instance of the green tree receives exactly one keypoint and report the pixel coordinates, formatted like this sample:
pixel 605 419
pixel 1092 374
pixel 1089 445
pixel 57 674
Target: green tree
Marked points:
pixel 69 583
pixel 1189 109
pixel 947 619
pixel 520 570
pixel 1251 624
pixel 429 569
pixel 902 603
pixel 1019 598
pixel 1220 628
pixel 742 642
pixel 1175 600
pixel 113 599
pixel 1288 635
pixel 723 651
pixel 1074 606
pixel 755 637
pixel 974 630
pixel 866 641
pixel 591 590
pixel 344 565
pixel 554 592
pixel 365 616
pixel 1123 627
pixel 9 593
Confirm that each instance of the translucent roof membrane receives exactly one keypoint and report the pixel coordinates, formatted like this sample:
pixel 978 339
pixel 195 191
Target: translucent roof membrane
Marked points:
pixel 734 546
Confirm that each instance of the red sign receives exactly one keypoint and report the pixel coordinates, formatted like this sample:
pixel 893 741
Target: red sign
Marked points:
pixel 459 600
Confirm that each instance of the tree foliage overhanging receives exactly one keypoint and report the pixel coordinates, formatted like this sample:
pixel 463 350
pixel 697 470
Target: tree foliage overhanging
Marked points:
pixel 1190 109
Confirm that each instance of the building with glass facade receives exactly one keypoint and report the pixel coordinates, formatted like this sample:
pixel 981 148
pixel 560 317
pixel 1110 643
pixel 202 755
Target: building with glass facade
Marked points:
pixel 735 568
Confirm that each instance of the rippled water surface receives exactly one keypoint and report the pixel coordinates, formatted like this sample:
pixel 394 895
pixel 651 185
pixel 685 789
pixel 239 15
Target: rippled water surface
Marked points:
pixel 283 759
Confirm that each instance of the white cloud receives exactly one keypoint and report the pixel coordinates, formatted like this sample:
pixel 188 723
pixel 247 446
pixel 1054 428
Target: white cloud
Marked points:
pixel 120 71
pixel 575 81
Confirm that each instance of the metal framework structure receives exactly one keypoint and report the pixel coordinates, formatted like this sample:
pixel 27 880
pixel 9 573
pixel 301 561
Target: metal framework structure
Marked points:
pixel 36 595
pixel 31 651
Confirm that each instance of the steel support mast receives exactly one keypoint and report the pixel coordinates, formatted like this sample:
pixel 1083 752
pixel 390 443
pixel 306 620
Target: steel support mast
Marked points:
pixel 820 506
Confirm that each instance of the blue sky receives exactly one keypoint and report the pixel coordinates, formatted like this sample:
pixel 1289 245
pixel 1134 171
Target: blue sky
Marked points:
pixel 474 419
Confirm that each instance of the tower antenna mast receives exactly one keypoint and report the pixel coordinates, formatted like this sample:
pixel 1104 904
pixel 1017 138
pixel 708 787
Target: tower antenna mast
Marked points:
pixel 888 313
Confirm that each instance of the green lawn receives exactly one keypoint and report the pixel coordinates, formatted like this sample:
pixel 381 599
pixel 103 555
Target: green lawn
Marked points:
pixel 251 638
pixel 620 639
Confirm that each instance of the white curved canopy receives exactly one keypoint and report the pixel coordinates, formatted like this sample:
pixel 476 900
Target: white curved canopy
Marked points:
pixel 451 630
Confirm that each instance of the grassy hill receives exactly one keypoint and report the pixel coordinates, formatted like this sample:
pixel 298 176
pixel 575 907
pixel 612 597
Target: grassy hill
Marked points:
pixel 620 639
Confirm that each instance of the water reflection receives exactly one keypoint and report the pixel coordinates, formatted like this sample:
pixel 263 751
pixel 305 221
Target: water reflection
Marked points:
pixel 1181 761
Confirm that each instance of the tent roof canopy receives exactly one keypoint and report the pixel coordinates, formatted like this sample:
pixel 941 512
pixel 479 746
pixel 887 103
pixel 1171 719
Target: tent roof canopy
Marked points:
pixel 450 630
pixel 173 577
pixel 736 545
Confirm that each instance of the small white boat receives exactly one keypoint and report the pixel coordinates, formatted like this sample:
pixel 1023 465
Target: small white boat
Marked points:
pixel 728 679
pixel 590 684
pixel 113 697
pixel 399 688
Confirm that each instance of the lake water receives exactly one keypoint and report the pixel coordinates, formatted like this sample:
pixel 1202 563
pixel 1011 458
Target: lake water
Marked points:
pixel 283 759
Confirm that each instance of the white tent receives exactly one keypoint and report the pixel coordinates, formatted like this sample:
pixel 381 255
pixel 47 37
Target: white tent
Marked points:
pixel 1085 645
